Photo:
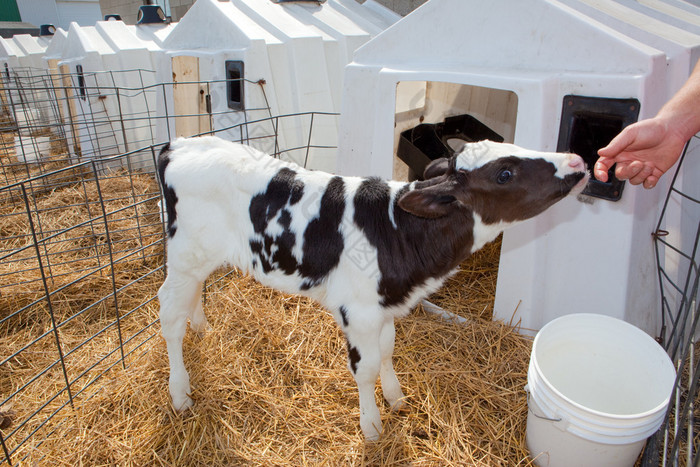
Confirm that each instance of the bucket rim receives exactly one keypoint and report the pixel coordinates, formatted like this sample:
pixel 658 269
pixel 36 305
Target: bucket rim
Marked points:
pixel 604 429
pixel 661 407
pixel 620 436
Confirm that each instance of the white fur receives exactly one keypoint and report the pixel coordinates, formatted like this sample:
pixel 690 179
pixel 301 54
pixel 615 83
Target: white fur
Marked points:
pixel 484 233
pixel 475 155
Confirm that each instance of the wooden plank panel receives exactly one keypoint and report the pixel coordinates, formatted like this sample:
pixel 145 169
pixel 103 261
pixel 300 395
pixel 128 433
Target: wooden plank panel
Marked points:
pixel 204 120
pixel 57 87
pixel 72 110
pixel 186 95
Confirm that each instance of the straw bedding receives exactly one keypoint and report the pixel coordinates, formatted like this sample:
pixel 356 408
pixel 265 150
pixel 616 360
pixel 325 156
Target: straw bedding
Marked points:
pixel 270 382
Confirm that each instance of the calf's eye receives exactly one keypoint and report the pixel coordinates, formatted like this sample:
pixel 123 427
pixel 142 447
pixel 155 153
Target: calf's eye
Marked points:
pixel 503 176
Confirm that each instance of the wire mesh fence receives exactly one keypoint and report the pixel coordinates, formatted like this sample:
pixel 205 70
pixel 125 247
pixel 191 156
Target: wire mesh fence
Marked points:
pixel 72 267
pixel 678 440
pixel 54 118
pixel 81 244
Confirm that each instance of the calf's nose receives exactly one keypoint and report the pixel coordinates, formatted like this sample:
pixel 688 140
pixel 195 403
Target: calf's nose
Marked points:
pixel 576 163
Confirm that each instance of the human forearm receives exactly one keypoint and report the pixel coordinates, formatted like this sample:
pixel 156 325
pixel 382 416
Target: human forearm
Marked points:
pixel 682 111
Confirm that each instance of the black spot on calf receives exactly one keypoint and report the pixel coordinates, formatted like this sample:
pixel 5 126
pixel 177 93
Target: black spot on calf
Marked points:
pixel 353 357
pixel 283 256
pixel 409 253
pixel 323 242
pixel 322 239
pixel 344 315
pixel 265 206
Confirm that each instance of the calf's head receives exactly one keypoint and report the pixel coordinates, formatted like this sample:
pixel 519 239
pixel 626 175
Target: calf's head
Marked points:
pixel 498 181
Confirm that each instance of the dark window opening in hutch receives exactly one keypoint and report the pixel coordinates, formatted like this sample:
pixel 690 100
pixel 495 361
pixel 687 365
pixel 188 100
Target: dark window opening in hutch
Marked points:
pixel 81 82
pixel 234 84
pixel 590 123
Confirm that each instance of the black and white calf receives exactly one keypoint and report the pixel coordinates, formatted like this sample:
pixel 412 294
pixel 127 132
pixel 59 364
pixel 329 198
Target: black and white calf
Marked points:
pixel 366 249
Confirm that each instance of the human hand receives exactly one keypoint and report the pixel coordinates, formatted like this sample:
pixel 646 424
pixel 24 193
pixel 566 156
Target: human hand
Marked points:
pixel 643 152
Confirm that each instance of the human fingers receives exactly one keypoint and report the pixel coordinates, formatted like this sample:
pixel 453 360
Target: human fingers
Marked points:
pixel 628 170
pixel 651 181
pixel 619 143
pixel 642 175
pixel 601 167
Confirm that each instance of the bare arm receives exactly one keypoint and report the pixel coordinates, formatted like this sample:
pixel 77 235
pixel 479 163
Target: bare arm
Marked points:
pixel 644 151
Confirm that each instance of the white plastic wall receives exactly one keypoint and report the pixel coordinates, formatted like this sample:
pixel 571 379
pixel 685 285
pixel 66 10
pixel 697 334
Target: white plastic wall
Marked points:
pixel 576 257
pixel 31 49
pixel 9 53
pixel 678 8
pixel 229 35
pixel 64 90
pixel 132 68
pixel 680 45
pixel 117 63
pixel 312 57
pixel 152 35
pixel 372 11
pixel 54 49
pixel 297 49
pixel 25 101
pixel 667 13
pixel 84 49
pixel 39 12
pixel 682 49
pixel 15 56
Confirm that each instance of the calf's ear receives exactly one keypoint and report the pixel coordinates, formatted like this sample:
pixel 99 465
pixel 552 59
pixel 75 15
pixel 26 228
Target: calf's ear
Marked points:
pixel 436 168
pixel 430 202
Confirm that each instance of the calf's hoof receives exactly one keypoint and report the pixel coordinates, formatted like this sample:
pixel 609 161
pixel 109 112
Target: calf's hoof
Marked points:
pixel 372 431
pixel 181 404
pixel 398 406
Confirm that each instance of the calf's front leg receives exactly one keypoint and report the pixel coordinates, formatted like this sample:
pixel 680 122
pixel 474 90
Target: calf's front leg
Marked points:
pixel 364 362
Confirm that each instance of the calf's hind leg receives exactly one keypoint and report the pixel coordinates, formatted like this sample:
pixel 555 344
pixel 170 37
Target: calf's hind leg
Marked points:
pixel 179 295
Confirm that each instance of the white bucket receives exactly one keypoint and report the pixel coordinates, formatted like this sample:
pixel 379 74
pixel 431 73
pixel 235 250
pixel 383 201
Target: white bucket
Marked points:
pixel 598 387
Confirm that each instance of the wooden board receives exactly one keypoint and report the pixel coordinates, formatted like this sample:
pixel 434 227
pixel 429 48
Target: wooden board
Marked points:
pixel 67 89
pixel 189 97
